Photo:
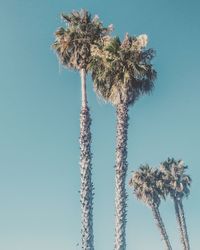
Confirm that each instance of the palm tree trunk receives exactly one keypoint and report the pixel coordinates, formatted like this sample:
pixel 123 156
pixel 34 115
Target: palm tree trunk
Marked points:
pixel 183 223
pixel 83 88
pixel 86 192
pixel 161 226
pixel 120 177
pixel 178 218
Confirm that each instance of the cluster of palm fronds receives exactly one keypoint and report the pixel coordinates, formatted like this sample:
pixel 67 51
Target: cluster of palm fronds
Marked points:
pixel 125 66
pixel 151 185
pixel 73 43
pixel 121 70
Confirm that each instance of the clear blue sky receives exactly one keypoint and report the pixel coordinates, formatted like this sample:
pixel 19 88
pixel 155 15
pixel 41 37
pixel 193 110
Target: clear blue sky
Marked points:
pixel 39 127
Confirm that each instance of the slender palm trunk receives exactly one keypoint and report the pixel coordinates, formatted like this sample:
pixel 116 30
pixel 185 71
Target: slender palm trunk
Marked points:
pixel 86 192
pixel 120 177
pixel 183 224
pixel 178 218
pixel 83 88
pixel 161 226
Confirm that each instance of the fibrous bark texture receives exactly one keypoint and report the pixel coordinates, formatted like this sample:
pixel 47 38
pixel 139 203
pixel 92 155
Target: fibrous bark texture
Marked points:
pixel 120 178
pixel 161 227
pixel 86 192
pixel 183 223
pixel 178 218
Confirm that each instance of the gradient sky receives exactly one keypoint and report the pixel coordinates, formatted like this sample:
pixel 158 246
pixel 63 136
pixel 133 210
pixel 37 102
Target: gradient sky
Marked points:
pixel 39 128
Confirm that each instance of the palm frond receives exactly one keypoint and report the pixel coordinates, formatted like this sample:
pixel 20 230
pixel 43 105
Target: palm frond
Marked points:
pixel 73 43
pixel 176 181
pixel 129 66
pixel 145 185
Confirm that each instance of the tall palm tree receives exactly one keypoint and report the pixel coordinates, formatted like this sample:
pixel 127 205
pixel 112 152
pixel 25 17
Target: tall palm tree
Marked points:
pixel 73 47
pixel 145 183
pixel 121 72
pixel 177 185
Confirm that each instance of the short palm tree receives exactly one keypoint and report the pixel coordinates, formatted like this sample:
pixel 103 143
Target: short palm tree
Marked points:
pixel 146 186
pixel 73 47
pixel 177 185
pixel 122 71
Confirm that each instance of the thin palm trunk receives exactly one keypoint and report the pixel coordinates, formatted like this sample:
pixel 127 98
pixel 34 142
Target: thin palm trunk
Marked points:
pixel 86 192
pixel 183 223
pixel 161 226
pixel 83 88
pixel 120 177
pixel 178 218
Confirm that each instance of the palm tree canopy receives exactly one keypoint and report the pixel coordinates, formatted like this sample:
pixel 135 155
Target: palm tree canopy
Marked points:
pixel 176 182
pixel 145 185
pixel 122 71
pixel 73 43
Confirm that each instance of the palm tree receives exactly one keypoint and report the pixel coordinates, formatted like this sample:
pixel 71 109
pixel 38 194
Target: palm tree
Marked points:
pixel 73 47
pixel 145 183
pixel 121 72
pixel 177 185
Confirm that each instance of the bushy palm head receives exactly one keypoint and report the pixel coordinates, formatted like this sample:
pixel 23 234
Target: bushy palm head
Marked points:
pixel 122 71
pixel 174 179
pixel 73 43
pixel 145 185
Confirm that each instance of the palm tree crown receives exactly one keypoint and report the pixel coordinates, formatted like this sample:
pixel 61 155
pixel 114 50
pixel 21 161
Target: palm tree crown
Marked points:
pixel 122 71
pixel 73 44
pixel 145 184
pixel 176 182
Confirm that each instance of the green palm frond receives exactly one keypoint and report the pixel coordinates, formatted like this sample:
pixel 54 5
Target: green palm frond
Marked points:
pixel 73 43
pixel 145 185
pixel 129 67
pixel 113 46
pixel 176 182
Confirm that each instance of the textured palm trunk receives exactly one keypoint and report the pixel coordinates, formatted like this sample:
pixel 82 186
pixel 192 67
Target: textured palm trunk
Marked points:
pixel 178 218
pixel 86 192
pixel 183 224
pixel 161 226
pixel 120 177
